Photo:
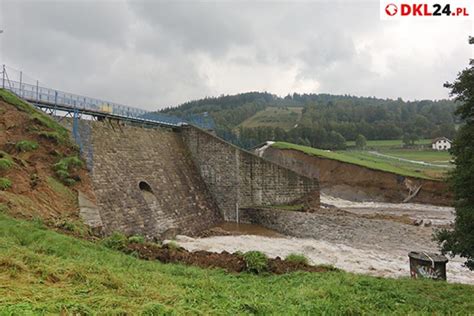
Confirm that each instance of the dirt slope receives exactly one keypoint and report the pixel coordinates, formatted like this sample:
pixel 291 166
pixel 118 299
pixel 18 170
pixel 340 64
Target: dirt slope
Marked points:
pixel 357 183
pixel 36 190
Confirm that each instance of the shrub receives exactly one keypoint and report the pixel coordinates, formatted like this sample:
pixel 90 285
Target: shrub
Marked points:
pixel 116 241
pixel 256 261
pixel 173 245
pixel 5 163
pixel 65 165
pixel 5 184
pixel 26 145
pixel 68 163
pixel 296 258
pixel 137 239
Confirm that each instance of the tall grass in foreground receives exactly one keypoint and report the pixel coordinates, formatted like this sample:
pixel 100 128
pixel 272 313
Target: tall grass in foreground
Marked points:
pixel 43 272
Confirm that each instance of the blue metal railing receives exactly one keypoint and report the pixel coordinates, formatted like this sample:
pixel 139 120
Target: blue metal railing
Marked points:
pixel 38 94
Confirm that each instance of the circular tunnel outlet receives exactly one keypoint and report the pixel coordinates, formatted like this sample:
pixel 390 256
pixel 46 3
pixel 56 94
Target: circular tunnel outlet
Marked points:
pixel 144 186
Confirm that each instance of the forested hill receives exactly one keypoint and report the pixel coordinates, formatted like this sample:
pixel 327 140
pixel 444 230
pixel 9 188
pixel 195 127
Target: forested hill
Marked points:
pixel 321 120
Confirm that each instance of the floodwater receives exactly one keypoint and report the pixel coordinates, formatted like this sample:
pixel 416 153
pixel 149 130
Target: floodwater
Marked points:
pixel 376 262
pixel 345 253
pixel 438 215
pixel 247 229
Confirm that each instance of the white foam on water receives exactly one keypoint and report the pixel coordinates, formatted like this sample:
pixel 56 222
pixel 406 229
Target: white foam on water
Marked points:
pixel 376 262
pixel 439 215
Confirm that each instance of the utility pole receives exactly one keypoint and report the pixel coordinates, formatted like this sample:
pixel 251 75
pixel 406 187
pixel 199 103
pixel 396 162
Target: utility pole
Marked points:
pixel 3 70
pixel 21 82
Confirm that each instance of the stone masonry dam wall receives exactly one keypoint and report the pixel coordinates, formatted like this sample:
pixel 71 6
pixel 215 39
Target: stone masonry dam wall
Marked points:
pixel 145 181
pixel 239 179
pixel 160 182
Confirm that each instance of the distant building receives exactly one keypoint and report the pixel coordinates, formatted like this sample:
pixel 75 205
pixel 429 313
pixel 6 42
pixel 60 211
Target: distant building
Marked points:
pixel 259 149
pixel 441 143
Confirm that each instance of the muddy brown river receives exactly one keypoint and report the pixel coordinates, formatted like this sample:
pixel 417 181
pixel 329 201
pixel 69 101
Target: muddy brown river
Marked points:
pixel 248 229
pixel 388 257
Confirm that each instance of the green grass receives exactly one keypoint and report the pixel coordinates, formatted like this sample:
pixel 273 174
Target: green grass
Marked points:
pixel 285 118
pixel 365 159
pixel 5 164
pixel 431 156
pixel 26 145
pixel 296 258
pixel 64 166
pixel 255 261
pixel 56 131
pixel 63 191
pixel 43 272
pixel 5 184
pixel 422 151
pixel 12 99
pixel 390 143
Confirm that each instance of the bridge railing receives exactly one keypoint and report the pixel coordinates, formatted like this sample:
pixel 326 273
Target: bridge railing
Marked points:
pixel 39 94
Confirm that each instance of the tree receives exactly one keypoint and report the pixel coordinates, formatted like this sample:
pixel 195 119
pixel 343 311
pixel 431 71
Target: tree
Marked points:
pixel 410 139
pixel 336 141
pixel 361 141
pixel 460 240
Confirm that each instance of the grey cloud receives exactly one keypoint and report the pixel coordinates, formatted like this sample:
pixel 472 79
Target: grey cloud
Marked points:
pixel 202 26
pixel 162 53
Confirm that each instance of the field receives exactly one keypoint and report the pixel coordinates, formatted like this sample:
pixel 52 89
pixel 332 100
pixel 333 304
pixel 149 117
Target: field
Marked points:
pixel 372 161
pixel 421 152
pixel 285 118
pixel 44 272
pixel 379 144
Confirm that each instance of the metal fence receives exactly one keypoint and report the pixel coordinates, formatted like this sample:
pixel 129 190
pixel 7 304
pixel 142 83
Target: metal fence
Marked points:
pixel 43 95
pixel 30 90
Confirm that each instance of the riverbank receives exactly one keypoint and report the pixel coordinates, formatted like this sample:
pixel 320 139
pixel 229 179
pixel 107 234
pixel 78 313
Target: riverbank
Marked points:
pixel 43 272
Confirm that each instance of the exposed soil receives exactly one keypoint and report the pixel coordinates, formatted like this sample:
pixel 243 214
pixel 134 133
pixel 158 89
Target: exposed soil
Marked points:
pixel 35 190
pixel 225 260
pixel 357 183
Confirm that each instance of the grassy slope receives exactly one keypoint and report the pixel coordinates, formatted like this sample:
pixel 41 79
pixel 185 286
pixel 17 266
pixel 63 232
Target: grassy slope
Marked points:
pixel 364 159
pixel 56 131
pixel 285 118
pixel 45 272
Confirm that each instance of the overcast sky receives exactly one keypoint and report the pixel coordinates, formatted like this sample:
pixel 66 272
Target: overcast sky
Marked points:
pixel 153 54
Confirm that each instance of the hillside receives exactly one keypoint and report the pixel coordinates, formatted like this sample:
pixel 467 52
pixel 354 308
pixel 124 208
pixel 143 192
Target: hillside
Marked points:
pixel 372 161
pixel 324 121
pixel 61 274
pixel 40 171
pixel 282 117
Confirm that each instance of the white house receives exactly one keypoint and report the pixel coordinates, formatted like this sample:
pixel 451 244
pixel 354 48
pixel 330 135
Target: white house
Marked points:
pixel 441 143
